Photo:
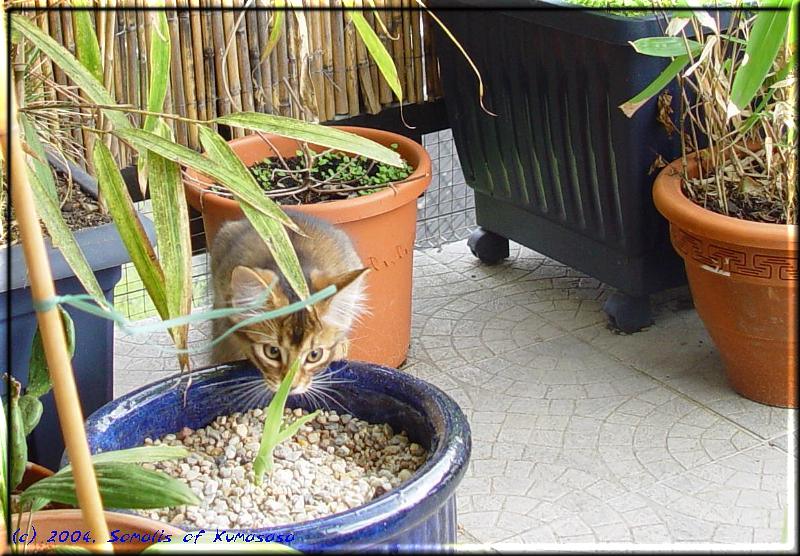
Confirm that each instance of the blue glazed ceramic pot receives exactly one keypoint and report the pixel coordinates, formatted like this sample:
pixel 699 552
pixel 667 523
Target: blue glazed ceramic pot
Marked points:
pixel 419 514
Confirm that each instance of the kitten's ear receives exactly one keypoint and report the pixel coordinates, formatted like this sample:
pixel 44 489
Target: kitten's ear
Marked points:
pixel 248 284
pixel 343 307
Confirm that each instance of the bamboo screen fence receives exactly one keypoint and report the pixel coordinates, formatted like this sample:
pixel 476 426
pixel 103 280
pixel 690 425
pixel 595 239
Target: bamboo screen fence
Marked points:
pixel 217 69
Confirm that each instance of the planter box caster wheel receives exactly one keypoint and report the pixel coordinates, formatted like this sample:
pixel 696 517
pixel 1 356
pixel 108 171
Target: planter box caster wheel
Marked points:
pixel 489 247
pixel 627 313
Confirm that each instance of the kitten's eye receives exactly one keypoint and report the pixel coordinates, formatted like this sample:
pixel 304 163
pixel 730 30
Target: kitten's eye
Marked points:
pixel 314 355
pixel 272 352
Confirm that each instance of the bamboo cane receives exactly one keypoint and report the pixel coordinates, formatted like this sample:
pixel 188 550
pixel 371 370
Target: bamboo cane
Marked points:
pixel 351 66
pixel 50 324
pixel 337 45
pixel 199 64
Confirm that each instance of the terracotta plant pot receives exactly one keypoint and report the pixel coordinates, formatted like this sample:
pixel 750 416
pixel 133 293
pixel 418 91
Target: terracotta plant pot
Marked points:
pixel 382 226
pixel 743 276
pixel 71 521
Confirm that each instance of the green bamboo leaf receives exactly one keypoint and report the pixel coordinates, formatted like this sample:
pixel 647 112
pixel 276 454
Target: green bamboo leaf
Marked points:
pixel 38 373
pixel 86 46
pixel 291 429
pixel 63 58
pixel 4 498
pixel 38 162
pixel 31 409
pixel 160 50
pixel 377 50
pixel 664 78
pixel 62 237
pixel 140 454
pixel 130 228
pixel 270 437
pixel 278 18
pixel 19 446
pixel 144 141
pixel 269 229
pixel 666 47
pixel 313 133
pixel 122 485
pixel 766 38
pixel 170 215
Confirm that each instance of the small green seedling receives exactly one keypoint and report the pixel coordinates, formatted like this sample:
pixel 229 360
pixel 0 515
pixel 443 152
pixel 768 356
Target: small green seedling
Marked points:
pixel 274 433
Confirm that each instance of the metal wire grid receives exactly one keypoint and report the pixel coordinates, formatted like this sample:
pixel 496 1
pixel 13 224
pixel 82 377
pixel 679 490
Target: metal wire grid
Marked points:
pixel 446 213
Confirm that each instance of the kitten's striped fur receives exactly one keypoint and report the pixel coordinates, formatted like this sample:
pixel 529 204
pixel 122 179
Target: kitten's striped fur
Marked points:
pixel 241 269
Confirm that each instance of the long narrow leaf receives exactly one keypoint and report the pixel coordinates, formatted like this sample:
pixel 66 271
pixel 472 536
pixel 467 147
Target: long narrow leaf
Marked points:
pixel 270 437
pixel 140 454
pixel 122 485
pixel 271 231
pixel 38 162
pixel 278 18
pixel 666 47
pixel 313 133
pixel 377 50
pixel 86 82
pixel 170 215
pixel 766 37
pixel 3 464
pixel 38 372
pixel 662 80
pixel 143 141
pixel 61 236
pixel 130 228
pixel 291 429
pixel 160 49
pixel 86 46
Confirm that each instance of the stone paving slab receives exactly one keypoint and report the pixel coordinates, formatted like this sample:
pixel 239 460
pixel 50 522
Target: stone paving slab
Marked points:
pixel 580 434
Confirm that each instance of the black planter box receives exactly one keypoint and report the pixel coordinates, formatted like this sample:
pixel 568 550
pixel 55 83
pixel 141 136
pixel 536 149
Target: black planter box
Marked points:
pixel 561 169
pixel 93 363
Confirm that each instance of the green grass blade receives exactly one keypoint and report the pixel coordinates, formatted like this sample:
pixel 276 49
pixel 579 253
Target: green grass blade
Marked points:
pixel 376 50
pixel 666 47
pixel 86 46
pixel 291 429
pixel 662 80
pixel 62 237
pixel 766 38
pixel 130 228
pixel 83 78
pixel 270 437
pixel 122 485
pixel 269 228
pixel 313 133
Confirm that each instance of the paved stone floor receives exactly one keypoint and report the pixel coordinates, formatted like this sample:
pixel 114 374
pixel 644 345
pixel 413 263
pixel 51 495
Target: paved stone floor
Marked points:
pixel 580 435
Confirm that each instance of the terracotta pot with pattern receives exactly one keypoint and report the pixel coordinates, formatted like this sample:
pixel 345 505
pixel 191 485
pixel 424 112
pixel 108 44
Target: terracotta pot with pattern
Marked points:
pixel 743 276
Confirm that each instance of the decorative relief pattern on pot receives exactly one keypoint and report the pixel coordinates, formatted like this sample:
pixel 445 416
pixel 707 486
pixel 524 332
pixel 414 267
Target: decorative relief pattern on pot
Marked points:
pixel 376 264
pixel 727 261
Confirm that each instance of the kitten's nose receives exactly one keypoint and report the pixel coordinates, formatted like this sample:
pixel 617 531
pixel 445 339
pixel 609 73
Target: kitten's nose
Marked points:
pixel 300 386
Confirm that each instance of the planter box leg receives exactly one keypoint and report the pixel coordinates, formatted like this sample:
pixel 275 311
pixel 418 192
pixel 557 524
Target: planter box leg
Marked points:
pixel 628 313
pixel 489 247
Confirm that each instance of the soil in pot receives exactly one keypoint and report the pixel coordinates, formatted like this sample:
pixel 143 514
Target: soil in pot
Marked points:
pixel 78 209
pixel 328 176
pixel 335 463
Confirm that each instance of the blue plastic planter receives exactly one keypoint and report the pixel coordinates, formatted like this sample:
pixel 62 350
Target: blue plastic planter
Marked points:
pixel 421 513
pixel 94 337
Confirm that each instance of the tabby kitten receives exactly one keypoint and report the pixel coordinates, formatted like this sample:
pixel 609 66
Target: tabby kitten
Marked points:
pixel 242 268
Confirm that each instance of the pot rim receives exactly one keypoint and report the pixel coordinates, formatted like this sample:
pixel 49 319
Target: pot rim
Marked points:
pixel 671 202
pixel 413 500
pixel 344 210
